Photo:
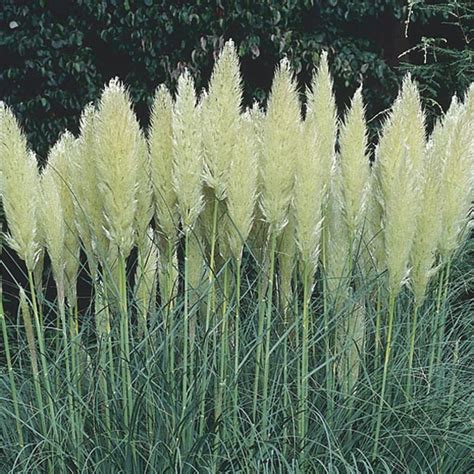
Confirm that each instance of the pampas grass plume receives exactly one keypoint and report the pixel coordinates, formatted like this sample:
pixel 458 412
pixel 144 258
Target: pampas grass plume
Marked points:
pixel 242 188
pixel 354 165
pixel 160 142
pixel 146 277
pixel 458 175
pixel 398 172
pixel 53 223
pixel 19 187
pixel 337 262
pixel 321 117
pixel 118 148
pixel 281 134
pixel 220 119
pixel 429 226
pixel 60 170
pixel 87 203
pixel 187 153
pixel 309 195
pixel 144 196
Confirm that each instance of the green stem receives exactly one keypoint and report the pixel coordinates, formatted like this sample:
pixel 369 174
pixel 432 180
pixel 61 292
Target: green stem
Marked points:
pixel 451 398
pixel 185 328
pixel 258 357
pixel 67 357
pixel 268 326
pixel 412 351
pixel 224 341
pixel 222 379
pixel 101 336
pixel 209 312
pixel 327 355
pixel 44 363
pixel 303 390
pixel 435 330
pixel 237 344
pixel 388 350
pixel 442 325
pixel 378 321
pixel 125 345
pixel 11 376
pixel 170 310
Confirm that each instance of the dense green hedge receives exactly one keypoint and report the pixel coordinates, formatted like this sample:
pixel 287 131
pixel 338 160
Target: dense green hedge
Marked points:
pixel 55 56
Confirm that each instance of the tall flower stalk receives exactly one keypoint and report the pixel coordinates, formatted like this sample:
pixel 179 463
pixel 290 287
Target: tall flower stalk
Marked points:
pixel 281 133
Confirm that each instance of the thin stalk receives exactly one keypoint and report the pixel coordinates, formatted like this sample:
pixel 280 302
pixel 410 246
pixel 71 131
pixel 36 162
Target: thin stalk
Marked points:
pixel 102 359
pixel 76 366
pixel 388 350
pixel 67 357
pixel 11 376
pixel 327 356
pixel 303 389
pixel 378 323
pixel 435 330
pixel 412 350
pixel 209 312
pixel 451 398
pixel 286 401
pixel 222 379
pixel 295 345
pixel 30 337
pixel 329 382
pixel 435 340
pixel 142 312
pixel 223 347
pixel 442 325
pixel 258 357
pixel 185 328
pixel 268 326
pixel 238 264
pixel 42 348
pixel 150 407
pixel 125 345
pixel 170 311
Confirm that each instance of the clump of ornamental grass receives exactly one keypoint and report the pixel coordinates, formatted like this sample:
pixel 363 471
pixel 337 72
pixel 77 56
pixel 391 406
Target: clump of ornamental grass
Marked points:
pixel 248 309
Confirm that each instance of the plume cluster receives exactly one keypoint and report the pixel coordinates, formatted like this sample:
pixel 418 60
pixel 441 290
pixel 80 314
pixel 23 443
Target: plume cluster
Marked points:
pixel 408 211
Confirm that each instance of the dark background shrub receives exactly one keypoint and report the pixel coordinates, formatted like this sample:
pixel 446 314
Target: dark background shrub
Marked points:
pixel 55 56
